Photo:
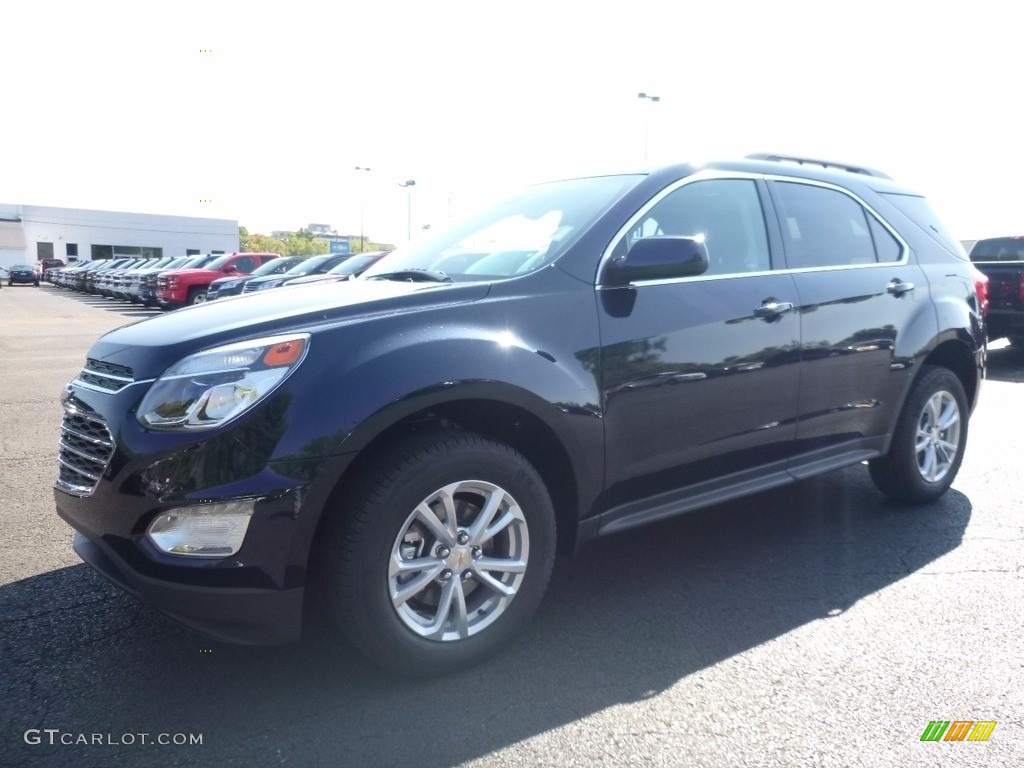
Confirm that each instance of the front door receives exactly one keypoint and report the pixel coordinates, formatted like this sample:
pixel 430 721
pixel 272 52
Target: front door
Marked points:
pixel 699 375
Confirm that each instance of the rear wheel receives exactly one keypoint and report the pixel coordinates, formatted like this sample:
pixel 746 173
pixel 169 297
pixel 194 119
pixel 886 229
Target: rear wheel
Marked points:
pixel 928 444
pixel 445 555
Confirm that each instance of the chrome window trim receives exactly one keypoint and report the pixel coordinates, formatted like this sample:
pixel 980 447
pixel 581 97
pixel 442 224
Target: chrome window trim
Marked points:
pixel 717 174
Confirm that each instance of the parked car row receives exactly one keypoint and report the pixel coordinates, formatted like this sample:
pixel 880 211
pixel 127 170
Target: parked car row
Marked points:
pixel 172 282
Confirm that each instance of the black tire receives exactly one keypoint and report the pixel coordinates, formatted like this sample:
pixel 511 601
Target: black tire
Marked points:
pixel 196 295
pixel 902 473
pixel 377 529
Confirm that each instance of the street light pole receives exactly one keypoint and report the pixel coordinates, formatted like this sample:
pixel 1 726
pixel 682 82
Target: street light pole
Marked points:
pixel 408 206
pixel 647 123
pixel 362 209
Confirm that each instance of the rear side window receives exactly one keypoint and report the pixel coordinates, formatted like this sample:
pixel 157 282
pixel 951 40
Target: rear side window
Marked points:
pixel 823 227
pixel 999 249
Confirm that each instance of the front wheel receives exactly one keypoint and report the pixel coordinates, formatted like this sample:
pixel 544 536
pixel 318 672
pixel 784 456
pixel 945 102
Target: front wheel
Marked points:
pixel 444 554
pixel 928 444
pixel 196 296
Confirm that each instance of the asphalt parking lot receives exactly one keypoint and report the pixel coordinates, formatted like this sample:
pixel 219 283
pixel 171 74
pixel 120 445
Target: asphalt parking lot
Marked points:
pixel 814 625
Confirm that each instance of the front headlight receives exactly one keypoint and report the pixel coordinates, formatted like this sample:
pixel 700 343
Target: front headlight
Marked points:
pixel 270 284
pixel 211 387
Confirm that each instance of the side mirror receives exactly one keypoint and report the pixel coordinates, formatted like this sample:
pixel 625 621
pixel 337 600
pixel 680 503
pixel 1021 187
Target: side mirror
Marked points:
pixel 658 258
pixel 229 268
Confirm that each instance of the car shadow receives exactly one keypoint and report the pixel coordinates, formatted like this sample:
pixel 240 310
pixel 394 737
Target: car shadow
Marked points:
pixel 1005 363
pixel 627 619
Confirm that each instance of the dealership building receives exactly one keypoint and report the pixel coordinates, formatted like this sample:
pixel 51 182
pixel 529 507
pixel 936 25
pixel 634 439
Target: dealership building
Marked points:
pixel 31 233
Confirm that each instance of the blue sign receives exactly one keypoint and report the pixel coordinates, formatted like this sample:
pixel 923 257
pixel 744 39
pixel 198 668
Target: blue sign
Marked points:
pixel 340 246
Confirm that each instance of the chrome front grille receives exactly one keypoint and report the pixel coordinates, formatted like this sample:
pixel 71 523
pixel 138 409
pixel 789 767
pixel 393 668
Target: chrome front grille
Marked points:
pixel 86 447
pixel 250 287
pixel 105 376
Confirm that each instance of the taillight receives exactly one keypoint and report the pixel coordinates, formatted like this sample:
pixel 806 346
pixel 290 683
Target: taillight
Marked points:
pixel 981 290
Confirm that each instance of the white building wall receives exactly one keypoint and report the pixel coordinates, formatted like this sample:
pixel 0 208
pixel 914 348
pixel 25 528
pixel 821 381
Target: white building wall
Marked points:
pixel 173 234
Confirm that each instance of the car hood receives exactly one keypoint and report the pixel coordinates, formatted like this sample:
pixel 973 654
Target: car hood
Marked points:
pixel 230 280
pixel 270 278
pixel 150 346
pixel 180 272
pixel 307 279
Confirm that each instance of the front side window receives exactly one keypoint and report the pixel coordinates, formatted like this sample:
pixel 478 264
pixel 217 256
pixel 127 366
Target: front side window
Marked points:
pixel 823 227
pixel 725 213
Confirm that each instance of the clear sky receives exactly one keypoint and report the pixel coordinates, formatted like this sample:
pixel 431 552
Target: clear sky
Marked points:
pixel 264 109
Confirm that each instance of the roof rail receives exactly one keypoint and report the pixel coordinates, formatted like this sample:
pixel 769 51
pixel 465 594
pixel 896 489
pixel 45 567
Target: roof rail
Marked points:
pixel 776 158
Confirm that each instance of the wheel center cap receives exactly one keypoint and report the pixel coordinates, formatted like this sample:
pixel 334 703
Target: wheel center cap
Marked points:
pixel 460 558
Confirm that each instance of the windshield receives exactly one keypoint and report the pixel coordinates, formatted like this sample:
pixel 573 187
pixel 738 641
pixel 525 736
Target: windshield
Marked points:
pixel 271 267
pixel 219 262
pixel 999 249
pixel 514 237
pixel 355 264
pixel 311 265
pixel 196 262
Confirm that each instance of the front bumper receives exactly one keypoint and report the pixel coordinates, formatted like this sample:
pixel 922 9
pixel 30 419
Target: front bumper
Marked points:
pixel 236 615
pixel 252 598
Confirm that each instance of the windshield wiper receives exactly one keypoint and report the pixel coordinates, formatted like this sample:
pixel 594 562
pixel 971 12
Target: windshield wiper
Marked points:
pixel 414 276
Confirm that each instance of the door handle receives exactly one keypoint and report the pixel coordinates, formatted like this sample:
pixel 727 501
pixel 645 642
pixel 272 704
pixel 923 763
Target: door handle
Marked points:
pixel 898 287
pixel 770 309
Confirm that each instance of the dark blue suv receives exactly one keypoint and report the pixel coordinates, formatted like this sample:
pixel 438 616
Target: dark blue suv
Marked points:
pixel 407 451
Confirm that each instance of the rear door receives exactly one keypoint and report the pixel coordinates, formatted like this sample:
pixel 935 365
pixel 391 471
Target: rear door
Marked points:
pixel 858 289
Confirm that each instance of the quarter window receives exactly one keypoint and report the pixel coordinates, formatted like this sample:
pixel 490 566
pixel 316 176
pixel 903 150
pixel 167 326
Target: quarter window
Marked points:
pixel 886 246
pixel 822 227
pixel 725 213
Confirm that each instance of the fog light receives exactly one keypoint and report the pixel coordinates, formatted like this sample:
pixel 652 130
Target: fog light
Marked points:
pixel 207 530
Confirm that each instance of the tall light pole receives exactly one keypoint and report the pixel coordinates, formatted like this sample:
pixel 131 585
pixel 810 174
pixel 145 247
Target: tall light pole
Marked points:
pixel 408 206
pixel 362 209
pixel 647 123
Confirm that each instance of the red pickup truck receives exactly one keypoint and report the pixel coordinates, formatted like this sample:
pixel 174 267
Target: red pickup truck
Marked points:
pixel 181 287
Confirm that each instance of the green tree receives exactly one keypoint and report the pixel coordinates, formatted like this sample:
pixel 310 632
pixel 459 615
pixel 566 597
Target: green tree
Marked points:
pixel 299 245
